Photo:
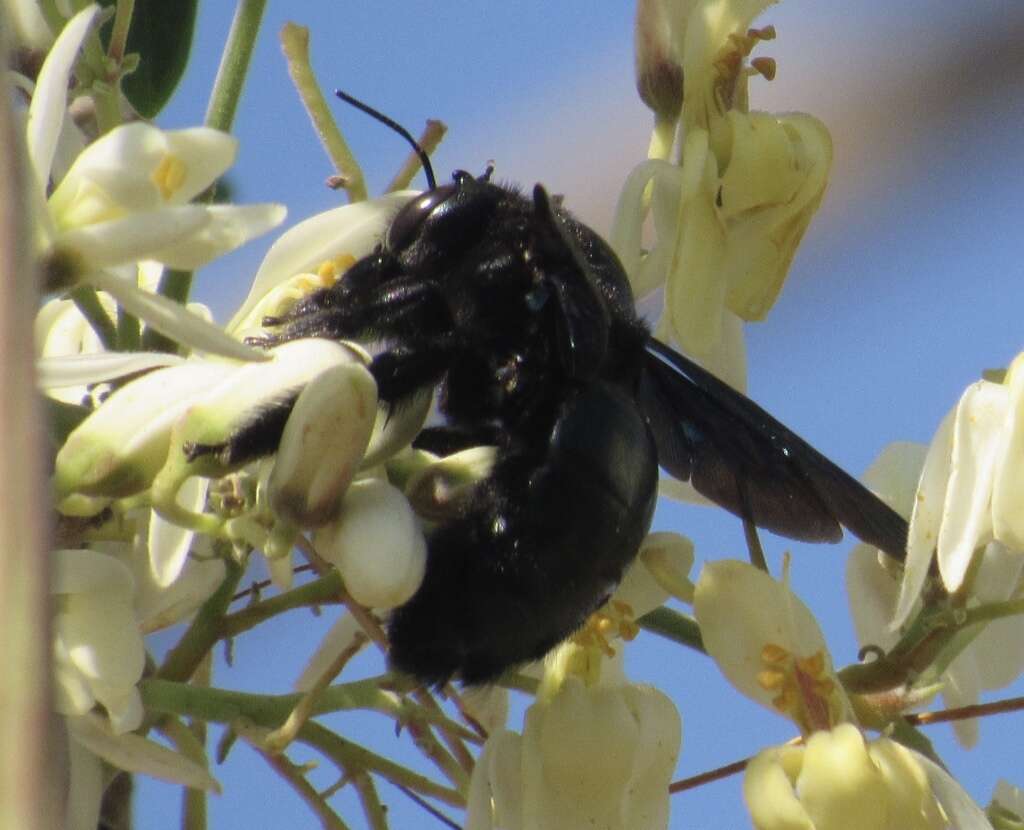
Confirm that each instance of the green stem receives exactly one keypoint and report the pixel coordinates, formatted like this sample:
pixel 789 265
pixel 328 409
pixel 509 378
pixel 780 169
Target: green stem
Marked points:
pixel 88 303
pixel 374 811
pixel 119 30
pixel 992 611
pixel 348 755
pixel 295 45
pixel 234 65
pixel 51 14
pixel 127 331
pixel 674 626
pixel 318 592
pixel 194 806
pixel 270 711
pixel 294 775
pixel 204 632
pixel 220 114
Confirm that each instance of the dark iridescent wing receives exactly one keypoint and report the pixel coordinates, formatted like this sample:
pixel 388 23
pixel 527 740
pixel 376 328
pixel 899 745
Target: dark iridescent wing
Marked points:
pixel 740 457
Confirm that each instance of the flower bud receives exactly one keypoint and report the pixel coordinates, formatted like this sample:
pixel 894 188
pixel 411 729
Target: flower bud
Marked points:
pixel 376 544
pixel 121 446
pixel 323 445
pixel 217 416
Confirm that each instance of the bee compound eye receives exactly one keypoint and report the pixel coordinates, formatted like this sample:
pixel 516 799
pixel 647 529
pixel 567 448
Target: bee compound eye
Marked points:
pixel 408 223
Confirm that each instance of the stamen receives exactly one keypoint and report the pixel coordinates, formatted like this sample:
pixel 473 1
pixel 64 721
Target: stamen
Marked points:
pixel 802 688
pixel 331 270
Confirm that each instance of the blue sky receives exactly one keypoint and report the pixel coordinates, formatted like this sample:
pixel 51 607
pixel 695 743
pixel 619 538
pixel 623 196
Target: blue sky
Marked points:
pixel 907 286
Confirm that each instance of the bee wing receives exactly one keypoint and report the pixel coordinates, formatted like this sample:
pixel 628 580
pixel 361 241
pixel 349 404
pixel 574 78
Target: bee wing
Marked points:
pixel 740 457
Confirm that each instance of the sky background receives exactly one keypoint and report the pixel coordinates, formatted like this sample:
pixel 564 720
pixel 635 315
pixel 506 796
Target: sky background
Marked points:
pixel 907 285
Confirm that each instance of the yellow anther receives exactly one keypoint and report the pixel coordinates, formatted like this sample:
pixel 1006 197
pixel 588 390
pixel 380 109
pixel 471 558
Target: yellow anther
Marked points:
pixel 331 270
pixel 813 665
pixel 802 687
pixel 765 67
pixel 628 630
pixel 764 33
pixel 169 175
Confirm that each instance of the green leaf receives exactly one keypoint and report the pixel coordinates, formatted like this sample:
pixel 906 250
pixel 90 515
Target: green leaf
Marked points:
pixel 161 34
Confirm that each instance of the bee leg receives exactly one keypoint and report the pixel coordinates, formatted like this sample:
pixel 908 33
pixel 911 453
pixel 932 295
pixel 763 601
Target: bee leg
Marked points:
pixel 256 438
pixel 398 308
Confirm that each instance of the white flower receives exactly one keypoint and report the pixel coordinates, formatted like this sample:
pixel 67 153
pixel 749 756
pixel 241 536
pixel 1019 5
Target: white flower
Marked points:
pixel 660 570
pixel 27 28
pixel 990 660
pixel 768 644
pixel 591 757
pixel 121 446
pixel 377 545
pixel 730 211
pixel 98 647
pixel 839 781
pixel 323 445
pixel 971 491
pixel 91 741
pixel 314 254
pixel 125 198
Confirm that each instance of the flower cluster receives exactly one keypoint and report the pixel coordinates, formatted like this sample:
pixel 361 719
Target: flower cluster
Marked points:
pixel 165 488
pixel 730 206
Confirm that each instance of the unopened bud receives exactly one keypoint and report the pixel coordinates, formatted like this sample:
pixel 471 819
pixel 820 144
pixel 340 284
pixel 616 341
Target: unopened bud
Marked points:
pixel 121 446
pixel 323 445
pixel 376 544
pixel 659 71
pixel 202 440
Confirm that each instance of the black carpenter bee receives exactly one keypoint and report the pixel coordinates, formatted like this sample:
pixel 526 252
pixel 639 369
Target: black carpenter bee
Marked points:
pixel 522 319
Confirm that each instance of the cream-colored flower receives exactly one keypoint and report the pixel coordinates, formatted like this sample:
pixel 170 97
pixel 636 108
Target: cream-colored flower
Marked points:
pixel 731 208
pixel 314 254
pixel 970 492
pixel 839 781
pixel 126 198
pixel 97 644
pixel 768 644
pixel 990 660
pixel 376 543
pixel 660 570
pixel 592 756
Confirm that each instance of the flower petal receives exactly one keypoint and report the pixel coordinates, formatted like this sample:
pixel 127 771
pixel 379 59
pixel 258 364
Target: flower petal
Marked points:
pixel 136 754
pixel 1008 484
pixel 967 516
pixel 133 236
pixel 174 320
pixel 49 102
pixel 376 544
pixel 84 369
pixel 925 518
pixel 230 226
pixel 740 608
pixel 352 229
pixel 168 543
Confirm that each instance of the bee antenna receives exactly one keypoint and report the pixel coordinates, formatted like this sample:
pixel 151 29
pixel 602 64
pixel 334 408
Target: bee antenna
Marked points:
pixel 428 169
